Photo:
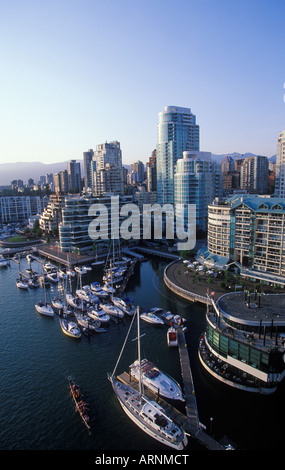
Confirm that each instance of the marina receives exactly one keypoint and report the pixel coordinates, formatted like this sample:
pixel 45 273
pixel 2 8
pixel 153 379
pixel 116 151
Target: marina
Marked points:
pixel 91 356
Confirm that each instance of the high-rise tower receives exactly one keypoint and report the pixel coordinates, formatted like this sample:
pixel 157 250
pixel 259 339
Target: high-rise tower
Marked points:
pixel 177 132
pixel 280 166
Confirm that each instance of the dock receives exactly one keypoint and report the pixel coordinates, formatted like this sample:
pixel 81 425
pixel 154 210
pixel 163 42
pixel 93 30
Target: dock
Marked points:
pixel 129 273
pixel 194 426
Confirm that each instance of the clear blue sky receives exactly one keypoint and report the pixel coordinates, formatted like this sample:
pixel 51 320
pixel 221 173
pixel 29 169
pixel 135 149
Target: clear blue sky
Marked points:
pixel 75 73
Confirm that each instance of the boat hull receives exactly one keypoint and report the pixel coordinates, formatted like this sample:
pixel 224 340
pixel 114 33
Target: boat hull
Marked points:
pixel 44 310
pixel 142 425
pixel 157 381
pixel 69 332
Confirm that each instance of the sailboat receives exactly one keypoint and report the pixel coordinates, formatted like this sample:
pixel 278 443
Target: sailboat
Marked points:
pixel 43 307
pixel 21 284
pixel 147 414
pixel 69 328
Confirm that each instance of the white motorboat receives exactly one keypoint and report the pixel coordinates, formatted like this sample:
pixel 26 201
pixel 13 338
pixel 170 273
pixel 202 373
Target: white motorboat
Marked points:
pixel 124 304
pixel 71 300
pixel 87 296
pixel 111 309
pixel 151 318
pixel 158 382
pixel 108 288
pixel 57 304
pixel 99 315
pixel 3 262
pixel 87 323
pixel 147 415
pixel 22 284
pixel 113 279
pixel 97 289
pixel 70 328
pixel 44 309
pixel 172 339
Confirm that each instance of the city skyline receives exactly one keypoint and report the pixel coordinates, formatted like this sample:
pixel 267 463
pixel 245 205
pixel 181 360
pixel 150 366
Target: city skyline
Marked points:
pixel 79 74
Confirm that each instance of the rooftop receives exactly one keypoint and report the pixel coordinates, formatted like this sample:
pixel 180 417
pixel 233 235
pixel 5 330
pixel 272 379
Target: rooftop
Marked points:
pixel 272 308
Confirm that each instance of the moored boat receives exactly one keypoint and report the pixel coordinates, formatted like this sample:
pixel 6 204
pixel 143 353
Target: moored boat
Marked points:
pixel 52 277
pixel 70 272
pixel 62 274
pixel 99 315
pixel 157 381
pixel 172 339
pixel 69 328
pixel 33 282
pixel 111 309
pixel 44 309
pixel 151 318
pixel 57 304
pixel 22 284
pixel 146 414
pixel 98 290
pixel 87 324
pixel 71 300
pixel 80 270
pixel 126 305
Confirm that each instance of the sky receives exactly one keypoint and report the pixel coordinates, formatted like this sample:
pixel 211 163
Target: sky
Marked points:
pixel 78 73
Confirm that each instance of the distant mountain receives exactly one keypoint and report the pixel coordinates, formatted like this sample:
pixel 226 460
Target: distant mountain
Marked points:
pixel 218 158
pixel 26 170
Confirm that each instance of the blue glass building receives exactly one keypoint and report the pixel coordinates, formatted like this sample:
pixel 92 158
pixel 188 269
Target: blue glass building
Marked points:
pixel 177 132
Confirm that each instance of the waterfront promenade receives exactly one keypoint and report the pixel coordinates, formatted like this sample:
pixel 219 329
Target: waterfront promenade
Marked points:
pixel 179 280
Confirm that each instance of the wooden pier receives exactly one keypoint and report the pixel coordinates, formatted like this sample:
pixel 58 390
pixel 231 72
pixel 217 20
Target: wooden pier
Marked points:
pixel 129 273
pixel 194 426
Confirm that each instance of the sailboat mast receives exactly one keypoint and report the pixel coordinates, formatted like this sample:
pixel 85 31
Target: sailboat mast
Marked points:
pixel 139 350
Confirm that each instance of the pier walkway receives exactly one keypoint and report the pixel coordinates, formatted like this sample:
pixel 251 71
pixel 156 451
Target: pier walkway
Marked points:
pixel 190 399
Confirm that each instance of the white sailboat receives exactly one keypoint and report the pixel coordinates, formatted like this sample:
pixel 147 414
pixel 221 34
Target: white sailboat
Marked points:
pixel 69 328
pixel 147 415
pixel 43 307
pixel 22 284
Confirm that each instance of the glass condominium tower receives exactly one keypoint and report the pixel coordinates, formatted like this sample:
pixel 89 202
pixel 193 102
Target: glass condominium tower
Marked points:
pixel 177 132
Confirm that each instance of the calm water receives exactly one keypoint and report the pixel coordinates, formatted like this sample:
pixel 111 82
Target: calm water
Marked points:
pixel 36 410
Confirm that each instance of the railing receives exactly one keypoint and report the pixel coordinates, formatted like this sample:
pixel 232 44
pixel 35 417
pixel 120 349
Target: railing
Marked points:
pixel 183 292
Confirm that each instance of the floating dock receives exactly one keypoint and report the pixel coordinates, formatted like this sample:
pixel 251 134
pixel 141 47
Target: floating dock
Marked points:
pixel 194 426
